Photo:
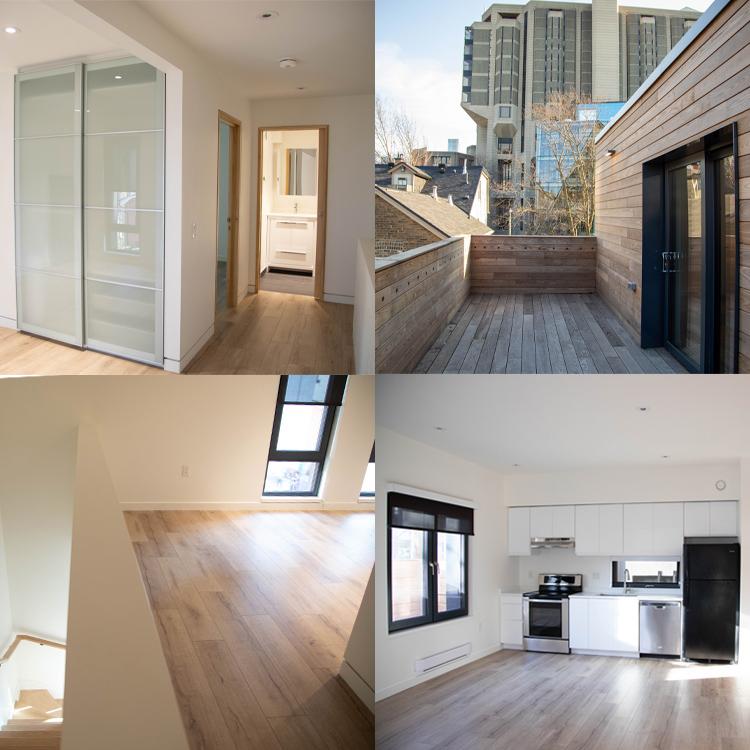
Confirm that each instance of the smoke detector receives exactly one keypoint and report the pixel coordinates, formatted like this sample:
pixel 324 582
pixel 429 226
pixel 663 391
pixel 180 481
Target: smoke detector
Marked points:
pixel 287 62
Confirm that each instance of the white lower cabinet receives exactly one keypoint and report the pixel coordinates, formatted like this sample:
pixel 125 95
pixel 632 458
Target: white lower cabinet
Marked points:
pixel 604 623
pixel 511 620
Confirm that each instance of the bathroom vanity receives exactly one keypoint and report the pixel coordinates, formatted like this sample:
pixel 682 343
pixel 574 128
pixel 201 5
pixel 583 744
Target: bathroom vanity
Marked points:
pixel 291 241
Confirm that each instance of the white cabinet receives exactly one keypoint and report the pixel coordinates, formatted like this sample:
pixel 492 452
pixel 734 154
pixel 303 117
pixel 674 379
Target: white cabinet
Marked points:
pixel 511 620
pixel 291 242
pixel 638 529
pixel 610 529
pixel 604 624
pixel 711 519
pixel 519 535
pixel 552 521
pixel 598 530
pixel 723 518
pixel 578 622
pixel 668 528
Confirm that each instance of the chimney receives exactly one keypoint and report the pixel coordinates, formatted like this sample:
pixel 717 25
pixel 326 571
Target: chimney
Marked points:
pixel 450 199
pixel 466 166
pixel 442 168
pixel 434 192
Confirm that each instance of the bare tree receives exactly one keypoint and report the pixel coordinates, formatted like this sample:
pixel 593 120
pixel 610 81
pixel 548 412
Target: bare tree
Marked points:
pixel 397 135
pixel 557 195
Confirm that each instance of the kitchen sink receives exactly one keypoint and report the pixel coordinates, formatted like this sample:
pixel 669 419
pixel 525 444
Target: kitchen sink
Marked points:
pixel 624 593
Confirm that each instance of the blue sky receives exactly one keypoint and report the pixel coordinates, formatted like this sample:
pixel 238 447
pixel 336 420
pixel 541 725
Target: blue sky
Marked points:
pixel 418 60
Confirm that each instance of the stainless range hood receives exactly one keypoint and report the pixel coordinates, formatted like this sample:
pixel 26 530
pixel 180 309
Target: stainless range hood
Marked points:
pixel 539 542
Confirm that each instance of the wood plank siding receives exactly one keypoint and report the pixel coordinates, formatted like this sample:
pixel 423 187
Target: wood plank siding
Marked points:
pixel 704 89
pixel 533 265
pixel 415 297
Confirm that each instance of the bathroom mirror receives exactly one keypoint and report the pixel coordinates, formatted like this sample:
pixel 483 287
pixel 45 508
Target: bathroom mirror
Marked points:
pixel 301 171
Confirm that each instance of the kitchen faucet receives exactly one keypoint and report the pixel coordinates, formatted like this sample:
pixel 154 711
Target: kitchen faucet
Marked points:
pixel 626 578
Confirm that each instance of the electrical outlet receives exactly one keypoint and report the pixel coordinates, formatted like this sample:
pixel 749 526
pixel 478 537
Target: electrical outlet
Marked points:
pixel 184 471
pixel 195 231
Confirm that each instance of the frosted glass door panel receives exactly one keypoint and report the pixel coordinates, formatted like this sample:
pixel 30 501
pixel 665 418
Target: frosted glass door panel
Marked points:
pixel 48 104
pixel 125 246
pixel 48 203
pixel 50 305
pixel 50 237
pixel 123 320
pixel 48 171
pixel 124 208
pixel 128 95
pixel 125 171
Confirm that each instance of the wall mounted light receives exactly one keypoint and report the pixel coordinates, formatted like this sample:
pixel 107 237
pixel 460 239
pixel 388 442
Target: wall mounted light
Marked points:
pixel 288 62
pixel 611 152
pixel 267 15
pixel 11 29
pixel 118 77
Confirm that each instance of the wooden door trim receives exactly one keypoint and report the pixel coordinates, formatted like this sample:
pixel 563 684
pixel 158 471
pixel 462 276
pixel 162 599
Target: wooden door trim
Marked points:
pixel 234 187
pixel 322 209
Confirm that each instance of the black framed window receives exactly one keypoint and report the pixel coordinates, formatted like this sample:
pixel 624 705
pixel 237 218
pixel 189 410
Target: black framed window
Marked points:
pixel 646 574
pixel 303 423
pixel 428 560
pixel 368 483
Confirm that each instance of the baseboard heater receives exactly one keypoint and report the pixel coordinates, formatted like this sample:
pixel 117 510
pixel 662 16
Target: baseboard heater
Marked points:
pixel 443 657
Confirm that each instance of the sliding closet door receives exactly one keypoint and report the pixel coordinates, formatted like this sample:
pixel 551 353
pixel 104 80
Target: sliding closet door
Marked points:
pixel 48 203
pixel 124 209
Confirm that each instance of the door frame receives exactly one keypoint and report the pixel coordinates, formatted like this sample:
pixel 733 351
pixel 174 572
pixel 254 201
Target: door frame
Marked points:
pixel 234 202
pixel 322 208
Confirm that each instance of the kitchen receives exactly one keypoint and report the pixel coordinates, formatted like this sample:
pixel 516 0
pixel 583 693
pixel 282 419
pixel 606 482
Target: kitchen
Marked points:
pixel 598 584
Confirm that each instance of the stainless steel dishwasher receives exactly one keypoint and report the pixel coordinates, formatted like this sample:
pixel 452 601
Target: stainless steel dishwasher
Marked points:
pixel 661 628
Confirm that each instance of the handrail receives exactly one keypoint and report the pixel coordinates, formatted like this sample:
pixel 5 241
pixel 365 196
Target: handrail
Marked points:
pixel 32 639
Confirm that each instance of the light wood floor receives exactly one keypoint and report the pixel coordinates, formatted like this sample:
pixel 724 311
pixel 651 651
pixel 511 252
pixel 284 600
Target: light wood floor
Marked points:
pixel 22 354
pixel 526 701
pixel 272 333
pixel 291 283
pixel 254 611
pixel 540 333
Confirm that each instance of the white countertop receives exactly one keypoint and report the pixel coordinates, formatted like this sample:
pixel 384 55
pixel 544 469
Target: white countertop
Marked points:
pixel 639 597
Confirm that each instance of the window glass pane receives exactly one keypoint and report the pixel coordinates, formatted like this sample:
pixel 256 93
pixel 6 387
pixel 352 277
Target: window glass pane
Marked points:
pixel 306 388
pixel 291 477
pixel 368 485
pixel 409 582
pixel 647 572
pixel 451 594
pixel 301 427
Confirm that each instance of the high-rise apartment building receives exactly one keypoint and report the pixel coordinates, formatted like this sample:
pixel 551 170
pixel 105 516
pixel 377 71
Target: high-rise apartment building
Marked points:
pixel 518 55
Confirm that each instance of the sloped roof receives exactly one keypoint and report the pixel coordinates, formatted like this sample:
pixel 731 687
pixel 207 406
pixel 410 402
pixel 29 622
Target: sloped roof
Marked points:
pixel 446 219
pixel 414 170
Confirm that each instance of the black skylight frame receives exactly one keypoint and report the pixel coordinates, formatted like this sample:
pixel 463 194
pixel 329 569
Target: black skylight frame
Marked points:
pixel 334 397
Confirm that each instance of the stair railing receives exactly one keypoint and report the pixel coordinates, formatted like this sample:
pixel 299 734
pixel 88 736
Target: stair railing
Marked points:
pixel 32 639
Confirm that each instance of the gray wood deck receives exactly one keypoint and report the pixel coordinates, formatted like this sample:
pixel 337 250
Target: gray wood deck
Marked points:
pixel 540 333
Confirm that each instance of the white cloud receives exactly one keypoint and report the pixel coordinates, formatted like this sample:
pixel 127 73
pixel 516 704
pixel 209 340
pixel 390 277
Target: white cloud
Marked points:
pixel 428 92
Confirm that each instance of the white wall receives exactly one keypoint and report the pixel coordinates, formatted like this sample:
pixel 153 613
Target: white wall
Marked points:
pixel 118 692
pixel 350 186
pixel 624 484
pixel 364 309
pixel 7 225
pixel 404 461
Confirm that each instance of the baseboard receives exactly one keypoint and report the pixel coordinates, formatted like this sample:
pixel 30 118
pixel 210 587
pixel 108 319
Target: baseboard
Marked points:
pixel 360 689
pixel 173 365
pixel 512 646
pixel 256 505
pixel 419 679
pixel 590 652
pixel 341 299
pixel 8 323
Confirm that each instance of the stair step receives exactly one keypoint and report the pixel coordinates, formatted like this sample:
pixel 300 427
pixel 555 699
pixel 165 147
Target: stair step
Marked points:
pixel 41 700
pixel 32 724
pixel 29 741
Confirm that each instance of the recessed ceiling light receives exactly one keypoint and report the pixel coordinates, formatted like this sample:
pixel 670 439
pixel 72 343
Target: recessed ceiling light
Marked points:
pixel 267 15
pixel 118 77
pixel 515 466
pixel 301 88
pixel 643 408
pixel 11 29
pixel 439 428
pixel 288 62
pixel 665 456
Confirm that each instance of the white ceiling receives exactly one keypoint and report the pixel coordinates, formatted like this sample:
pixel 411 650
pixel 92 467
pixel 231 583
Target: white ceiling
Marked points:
pixel 333 41
pixel 45 35
pixel 558 423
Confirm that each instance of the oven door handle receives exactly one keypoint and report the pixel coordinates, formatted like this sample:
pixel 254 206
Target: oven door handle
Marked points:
pixel 544 601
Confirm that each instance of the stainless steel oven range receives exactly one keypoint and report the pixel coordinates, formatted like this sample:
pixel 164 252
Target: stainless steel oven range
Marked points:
pixel 545 612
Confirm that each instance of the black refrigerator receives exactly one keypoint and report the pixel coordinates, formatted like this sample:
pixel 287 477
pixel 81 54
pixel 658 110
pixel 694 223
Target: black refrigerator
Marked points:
pixel 711 598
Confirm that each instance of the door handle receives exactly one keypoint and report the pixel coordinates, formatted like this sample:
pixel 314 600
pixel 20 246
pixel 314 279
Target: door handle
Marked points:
pixel 669 260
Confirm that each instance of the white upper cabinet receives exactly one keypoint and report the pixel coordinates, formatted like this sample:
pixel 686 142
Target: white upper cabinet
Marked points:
pixel 587 530
pixel 552 521
pixel 638 529
pixel 668 528
pixel 610 529
pixel 519 536
pixel 711 519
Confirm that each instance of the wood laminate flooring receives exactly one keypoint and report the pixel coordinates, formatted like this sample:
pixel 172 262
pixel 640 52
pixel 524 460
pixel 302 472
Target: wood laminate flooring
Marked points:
pixel 540 333
pixel 291 283
pixel 515 700
pixel 254 611
pixel 23 354
pixel 271 333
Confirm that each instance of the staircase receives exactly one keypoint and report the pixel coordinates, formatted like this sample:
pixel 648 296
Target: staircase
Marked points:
pixel 36 723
